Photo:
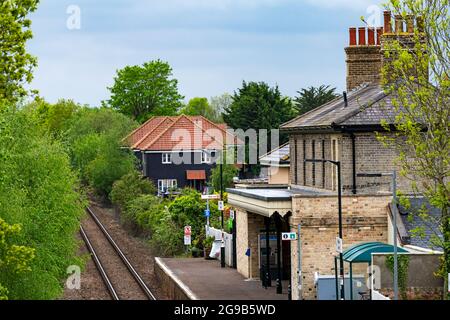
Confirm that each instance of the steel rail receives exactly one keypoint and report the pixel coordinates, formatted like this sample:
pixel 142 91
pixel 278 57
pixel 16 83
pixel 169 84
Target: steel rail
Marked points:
pixel 127 263
pixel 99 265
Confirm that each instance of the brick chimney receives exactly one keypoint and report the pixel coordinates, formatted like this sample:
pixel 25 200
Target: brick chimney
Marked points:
pixel 365 53
pixel 401 29
pixel 363 56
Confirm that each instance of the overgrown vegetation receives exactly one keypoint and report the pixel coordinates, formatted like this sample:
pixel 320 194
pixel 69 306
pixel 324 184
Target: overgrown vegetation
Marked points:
pixel 130 187
pixel 403 265
pixel 16 64
pixel 418 80
pixel 160 220
pixel 14 259
pixel 40 192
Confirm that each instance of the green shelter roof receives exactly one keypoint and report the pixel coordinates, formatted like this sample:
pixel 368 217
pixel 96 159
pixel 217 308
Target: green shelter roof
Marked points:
pixel 362 252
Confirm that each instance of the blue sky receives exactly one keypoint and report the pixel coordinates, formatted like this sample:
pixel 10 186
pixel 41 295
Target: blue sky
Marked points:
pixel 212 45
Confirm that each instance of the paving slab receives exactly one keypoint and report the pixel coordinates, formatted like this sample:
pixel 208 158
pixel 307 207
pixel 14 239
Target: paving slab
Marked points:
pixel 206 280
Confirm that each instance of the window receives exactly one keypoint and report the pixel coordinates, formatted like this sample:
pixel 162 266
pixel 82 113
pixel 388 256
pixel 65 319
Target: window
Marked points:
pixel 313 151
pixel 166 184
pixel 334 157
pixel 323 164
pixel 166 158
pixel 304 164
pixel 206 157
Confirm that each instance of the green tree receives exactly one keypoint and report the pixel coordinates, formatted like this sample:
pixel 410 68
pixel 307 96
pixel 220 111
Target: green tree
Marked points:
pixel 418 81
pixel 228 173
pixel 313 97
pixel 14 258
pixel 16 65
pixel 258 106
pixel 129 187
pixel 145 91
pixel 199 107
pixel 94 138
pixel 219 104
pixel 39 191
pixel 53 117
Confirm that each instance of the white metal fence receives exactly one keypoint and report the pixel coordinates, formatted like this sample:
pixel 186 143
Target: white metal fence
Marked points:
pixel 228 243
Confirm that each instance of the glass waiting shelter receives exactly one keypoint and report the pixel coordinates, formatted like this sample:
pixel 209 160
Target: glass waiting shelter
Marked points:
pixel 361 253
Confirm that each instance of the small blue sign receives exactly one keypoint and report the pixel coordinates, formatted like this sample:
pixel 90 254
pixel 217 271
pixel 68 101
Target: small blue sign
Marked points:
pixel 207 213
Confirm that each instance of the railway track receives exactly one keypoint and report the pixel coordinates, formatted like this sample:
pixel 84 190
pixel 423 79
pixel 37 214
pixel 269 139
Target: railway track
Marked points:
pixel 113 281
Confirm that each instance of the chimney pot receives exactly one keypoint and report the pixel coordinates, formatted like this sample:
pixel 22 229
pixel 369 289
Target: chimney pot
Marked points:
pixel 371 36
pixel 410 24
pixel 398 24
pixel 379 33
pixel 362 36
pixel 387 22
pixel 352 32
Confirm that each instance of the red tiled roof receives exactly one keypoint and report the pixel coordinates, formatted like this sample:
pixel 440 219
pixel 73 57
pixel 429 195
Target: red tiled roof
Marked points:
pixel 195 175
pixel 181 132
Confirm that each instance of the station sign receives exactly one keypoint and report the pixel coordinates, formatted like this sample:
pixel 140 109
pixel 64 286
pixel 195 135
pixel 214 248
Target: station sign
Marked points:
pixel 210 196
pixel 289 236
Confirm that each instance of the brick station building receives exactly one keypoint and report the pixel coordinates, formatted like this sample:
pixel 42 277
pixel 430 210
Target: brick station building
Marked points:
pixel 342 130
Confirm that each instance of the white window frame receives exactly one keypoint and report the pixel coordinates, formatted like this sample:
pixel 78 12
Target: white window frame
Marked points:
pixel 165 184
pixel 166 158
pixel 206 156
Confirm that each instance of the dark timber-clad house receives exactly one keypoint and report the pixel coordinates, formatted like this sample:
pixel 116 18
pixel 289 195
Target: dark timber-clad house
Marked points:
pixel 177 152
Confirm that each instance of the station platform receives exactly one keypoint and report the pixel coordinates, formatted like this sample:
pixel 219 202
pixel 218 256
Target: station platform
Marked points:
pixel 200 279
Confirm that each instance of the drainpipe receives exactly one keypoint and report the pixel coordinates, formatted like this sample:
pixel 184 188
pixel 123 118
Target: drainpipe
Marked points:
pixel 352 136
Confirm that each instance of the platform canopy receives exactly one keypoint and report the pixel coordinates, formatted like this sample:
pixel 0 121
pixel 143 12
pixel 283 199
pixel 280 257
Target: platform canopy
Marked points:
pixel 362 252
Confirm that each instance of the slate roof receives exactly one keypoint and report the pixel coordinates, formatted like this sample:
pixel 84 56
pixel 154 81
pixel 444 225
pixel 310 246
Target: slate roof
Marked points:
pixel 367 106
pixel 278 156
pixel 411 219
pixel 179 133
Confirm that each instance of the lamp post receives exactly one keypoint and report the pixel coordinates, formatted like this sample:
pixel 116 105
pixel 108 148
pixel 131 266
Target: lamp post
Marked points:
pixel 222 246
pixel 392 174
pixel 341 259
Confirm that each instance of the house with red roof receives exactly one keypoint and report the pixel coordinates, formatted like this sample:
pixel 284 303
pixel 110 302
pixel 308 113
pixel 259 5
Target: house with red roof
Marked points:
pixel 179 151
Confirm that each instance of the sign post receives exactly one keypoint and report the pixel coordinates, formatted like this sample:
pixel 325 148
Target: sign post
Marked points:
pixel 187 235
pixel 289 236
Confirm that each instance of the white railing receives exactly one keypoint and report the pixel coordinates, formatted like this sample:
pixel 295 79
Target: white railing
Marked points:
pixel 216 233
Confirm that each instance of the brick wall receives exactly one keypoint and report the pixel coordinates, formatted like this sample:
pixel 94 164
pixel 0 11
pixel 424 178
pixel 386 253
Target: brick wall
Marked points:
pixel 248 227
pixel 363 65
pixel 371 156
pixel 364 219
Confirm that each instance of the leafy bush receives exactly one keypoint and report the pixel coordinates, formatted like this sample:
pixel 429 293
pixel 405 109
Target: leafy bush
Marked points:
pixel 228 173
pixel 94 138
pixel 167 239
pixel 14 259
pixel 129 187
pixel 145 212
pixel 39 191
